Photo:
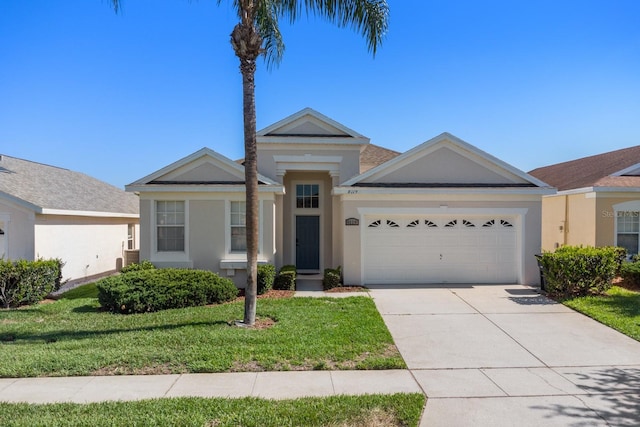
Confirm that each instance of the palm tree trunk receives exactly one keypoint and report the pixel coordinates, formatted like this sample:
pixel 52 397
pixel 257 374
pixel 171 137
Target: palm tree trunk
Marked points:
pixel 248 69
pixel 247 44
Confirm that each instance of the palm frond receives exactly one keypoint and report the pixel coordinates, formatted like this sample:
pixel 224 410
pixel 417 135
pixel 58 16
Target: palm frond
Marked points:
pixel 370 18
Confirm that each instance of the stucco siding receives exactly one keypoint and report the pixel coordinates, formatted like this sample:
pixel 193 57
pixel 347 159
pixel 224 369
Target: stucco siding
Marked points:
pixel 553 222
pixel 18 226
pixel 207 233
pixel 581 220
pixel 88 246
pixel 145 229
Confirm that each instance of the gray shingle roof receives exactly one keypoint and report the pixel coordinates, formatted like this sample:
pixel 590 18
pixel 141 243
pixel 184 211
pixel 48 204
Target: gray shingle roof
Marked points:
pixel 49 187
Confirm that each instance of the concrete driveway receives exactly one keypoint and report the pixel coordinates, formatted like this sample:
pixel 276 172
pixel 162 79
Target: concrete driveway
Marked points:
pixel 503 355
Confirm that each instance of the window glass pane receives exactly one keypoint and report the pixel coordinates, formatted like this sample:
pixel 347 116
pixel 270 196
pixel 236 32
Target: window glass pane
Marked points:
pixel 238 239
pixel 238 230
pixel 171 239
pixel 628 221
pixel 629 242
pixel 307 196
pixel 170 220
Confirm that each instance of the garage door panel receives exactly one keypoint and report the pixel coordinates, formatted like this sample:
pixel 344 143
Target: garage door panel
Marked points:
pixel 458 253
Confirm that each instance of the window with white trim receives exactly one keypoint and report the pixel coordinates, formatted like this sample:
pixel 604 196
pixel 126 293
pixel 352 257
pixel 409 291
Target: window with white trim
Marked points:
pixel 131 236
pixel 238 226
pixel 170 222
pixel 307 196
pixel 628 230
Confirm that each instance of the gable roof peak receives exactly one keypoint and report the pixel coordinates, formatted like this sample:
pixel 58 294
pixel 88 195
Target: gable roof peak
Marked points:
pixel 282 127
pixel 446 139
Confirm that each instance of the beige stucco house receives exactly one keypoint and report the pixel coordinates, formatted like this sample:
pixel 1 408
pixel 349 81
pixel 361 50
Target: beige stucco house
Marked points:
pixel 50 212
pixel 443 212
pixel 598 201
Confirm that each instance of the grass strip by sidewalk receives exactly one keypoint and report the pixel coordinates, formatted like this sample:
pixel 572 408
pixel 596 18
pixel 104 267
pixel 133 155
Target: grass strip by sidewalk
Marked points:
pixel 619 309
pixel 71 337
pixel 364 411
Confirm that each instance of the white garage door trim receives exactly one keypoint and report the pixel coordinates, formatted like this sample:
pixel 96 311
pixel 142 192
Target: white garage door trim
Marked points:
pixel 515 216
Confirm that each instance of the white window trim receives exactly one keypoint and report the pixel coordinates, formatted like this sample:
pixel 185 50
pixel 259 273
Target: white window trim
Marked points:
pixel 239 256
pixel 164 256
pixel 319 211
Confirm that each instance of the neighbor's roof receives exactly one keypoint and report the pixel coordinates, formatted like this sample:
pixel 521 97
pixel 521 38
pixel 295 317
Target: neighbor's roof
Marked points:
pixel 374 155
pixel 50 189
pixel 593 171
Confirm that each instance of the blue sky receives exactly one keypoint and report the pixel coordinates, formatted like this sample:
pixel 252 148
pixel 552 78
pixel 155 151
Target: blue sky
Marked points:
pixel 118 97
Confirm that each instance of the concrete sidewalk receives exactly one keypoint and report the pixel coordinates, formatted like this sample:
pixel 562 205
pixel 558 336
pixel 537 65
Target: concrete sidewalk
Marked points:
pixel 269 385
pixel 504 355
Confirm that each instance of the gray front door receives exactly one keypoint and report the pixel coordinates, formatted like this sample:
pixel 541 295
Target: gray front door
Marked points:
pixel 308 242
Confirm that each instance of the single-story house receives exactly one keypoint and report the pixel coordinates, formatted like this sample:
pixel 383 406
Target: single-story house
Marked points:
pixel 597 204
pixel 50 212
pixel 442 212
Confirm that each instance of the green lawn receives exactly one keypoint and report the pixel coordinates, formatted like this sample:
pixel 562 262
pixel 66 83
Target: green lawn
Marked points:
pixel 619 309
pixel 364 411
pixel 72 337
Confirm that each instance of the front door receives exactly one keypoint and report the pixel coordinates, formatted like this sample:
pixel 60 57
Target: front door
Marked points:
pixel 308 242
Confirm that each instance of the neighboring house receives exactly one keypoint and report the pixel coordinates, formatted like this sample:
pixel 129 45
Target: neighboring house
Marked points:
pixel 598 201
pixel 443 211
pixel 50 212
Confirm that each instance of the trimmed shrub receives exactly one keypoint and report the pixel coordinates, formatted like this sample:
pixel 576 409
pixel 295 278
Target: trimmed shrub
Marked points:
pixel 145 264
pixel 160 289
pixel 630 273
pixel 332 278
pixel 286 278
pixel 28 282
pixel 577 271
pixel 266 276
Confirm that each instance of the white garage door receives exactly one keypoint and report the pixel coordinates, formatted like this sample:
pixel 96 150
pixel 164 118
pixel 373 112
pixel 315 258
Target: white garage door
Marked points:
pixel 440 249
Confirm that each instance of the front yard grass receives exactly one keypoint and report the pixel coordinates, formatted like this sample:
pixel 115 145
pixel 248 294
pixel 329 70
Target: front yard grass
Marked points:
pixel 72 337
pixel 619 308
pixel 364 411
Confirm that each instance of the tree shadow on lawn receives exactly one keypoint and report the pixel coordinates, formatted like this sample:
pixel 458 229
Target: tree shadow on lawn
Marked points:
pixel 613 396
pixel 68 335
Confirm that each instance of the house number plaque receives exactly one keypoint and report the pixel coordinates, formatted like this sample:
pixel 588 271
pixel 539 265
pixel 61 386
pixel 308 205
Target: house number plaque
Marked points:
pixel 352 221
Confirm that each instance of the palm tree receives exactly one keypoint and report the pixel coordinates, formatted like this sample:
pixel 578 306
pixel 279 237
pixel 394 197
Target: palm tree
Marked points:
pixel 257 34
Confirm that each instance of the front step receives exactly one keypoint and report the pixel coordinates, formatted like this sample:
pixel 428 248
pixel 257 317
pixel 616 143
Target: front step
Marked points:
pixel 309 282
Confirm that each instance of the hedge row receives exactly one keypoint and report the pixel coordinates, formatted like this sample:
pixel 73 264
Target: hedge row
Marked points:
pixel 286 278
pixel 28 282
pixel 332 278
pixel 266 276
pixel 153 290
pixel 630 272
pixel 576 271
